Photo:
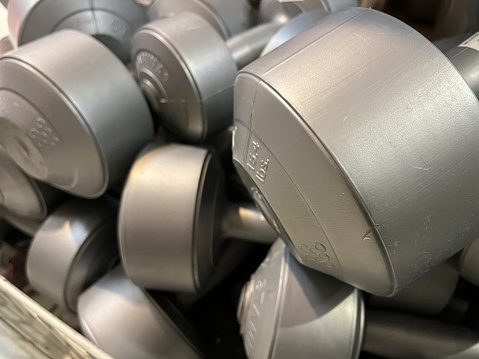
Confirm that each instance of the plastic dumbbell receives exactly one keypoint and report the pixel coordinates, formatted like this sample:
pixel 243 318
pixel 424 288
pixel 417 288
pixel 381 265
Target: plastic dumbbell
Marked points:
pixel 126 322
pixel 187 71
pixel 72 248
pixel 373 187
pixel 288 310
pixel 173 215
pixel 228 17
pixel 21 195
pixel 428 295
pixel 113 22
pixel 70 113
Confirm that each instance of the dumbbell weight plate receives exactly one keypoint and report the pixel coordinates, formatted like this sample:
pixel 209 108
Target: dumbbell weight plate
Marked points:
pixel 124 321
pixel 72 249
pixel 71 114
pixel 228 17
pixel 22 195
pixel 112 22
pixel 402 193
pixel 285 303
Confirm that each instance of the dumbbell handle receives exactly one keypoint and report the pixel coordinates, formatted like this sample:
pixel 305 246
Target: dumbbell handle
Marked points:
pixel 399 336
pixel 246 222
pixel 247 46
pixel 466 61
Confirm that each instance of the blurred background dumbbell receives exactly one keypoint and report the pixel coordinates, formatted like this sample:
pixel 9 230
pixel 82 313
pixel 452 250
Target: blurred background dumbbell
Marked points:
pixel 187 70
pixel 174 214
pixel 390 168
pixel 126 322
pixel 74 246
pixel 71 114
pixel 113 22
pixel 227 17
pixel 287 309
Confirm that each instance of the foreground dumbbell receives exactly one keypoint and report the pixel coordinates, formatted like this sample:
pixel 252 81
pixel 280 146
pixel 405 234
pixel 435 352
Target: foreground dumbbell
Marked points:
pixel 112 22
pixel 71 115
pixel 73 247
pixel 21 195
pixel 187 70
pixel 173 215
pixel 227 17
pixel 290 311
pixel 374 192
pixel 127 322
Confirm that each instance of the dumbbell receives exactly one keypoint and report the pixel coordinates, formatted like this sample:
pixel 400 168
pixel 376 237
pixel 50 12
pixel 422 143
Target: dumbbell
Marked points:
pixel 287 310
pixel 187 70
pixel 28 226
pixel 112 22
pixel 74 246
pixel 70 113
pixel 428 295
pixel 173 214
pixel 126 322
pixel 375 189
pixel 21 195
pixel 228 17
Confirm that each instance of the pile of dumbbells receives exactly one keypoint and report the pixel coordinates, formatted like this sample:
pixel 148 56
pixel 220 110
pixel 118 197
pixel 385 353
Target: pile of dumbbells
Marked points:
pixel 218 178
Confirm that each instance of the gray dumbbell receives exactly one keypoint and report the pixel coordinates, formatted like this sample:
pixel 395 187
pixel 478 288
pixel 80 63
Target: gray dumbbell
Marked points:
pixel 428 295
pixel 113 22
pixel 187 70
pixel 287 310
pixel 228 17
pixel 73 247
pixel 375 192
pixel 127 323
pixel 173 215
pixel 70 113
pixel 21 195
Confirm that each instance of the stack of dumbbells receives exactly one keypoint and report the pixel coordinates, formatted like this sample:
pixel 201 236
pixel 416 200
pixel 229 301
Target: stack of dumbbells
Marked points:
pixel 311 163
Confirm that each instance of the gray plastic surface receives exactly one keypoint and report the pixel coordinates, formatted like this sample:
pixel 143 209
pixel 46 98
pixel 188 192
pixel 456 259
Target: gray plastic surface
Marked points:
pixel 122 320
pixel 374 187
pixel 21 195
pixel 468 264
pixel 72 249
pixel 112 22
pixel 228 17
pixel 60 131
pixel 290 311
pixel 172 217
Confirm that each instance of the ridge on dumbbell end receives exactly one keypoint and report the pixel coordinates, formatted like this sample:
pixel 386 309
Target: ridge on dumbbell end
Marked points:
pixel 113 22
pixel 74 246
pixel 72 116
pixel 427 295
pixel 187 76
pixel 227 17
pixel 174 214
pixel 376 165
pixel 23 196
pixel 287 306
pixel 127 322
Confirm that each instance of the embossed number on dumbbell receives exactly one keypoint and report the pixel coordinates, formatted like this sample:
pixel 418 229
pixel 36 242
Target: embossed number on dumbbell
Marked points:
pixel 151 62
pixel 316 253
pixel 253 161
pixel 257 303
pixel 42 134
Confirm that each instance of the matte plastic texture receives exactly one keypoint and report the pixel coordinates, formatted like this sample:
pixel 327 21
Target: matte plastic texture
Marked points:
pixel 113 22
pixel 70 113
pixel 290 311
pixel 122 320
pixel 354 156
pixel 72 249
